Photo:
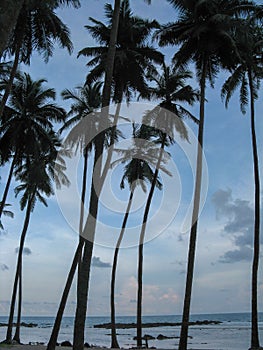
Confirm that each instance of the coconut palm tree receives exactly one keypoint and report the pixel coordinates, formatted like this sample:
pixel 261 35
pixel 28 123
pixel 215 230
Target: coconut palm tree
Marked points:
pixel 29 118
pixel 137 172
pixel 10 10
pixel 247 75
pixel 35 176
pixel 167 117
pixel 133 53
pixel 82 286
pixel 89 228
pixel 204 32
pixel 37 28
pixel 55 168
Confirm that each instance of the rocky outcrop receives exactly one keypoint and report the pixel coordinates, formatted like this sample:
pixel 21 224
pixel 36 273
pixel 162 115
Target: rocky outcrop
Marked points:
pixel 155 324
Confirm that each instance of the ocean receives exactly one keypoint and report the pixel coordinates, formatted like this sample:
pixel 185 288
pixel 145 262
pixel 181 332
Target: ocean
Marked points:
pixel 232 334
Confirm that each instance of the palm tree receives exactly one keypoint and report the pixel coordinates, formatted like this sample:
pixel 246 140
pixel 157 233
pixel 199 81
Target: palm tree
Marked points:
pixel 82 286
pixel 37 28
pixel 35 176
pixel 10 10
pixel 29 118
pixel 247 75
pixel 136 172
pixel 133 53
pixel 167 117
pixel 86 100
pixel 89 228
pixel 205 32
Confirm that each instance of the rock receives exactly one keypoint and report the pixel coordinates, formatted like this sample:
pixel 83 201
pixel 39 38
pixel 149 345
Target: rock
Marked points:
pixel 86 345
pixel 162 337
pixel 155 324
pixel 66 343
pixel 148 337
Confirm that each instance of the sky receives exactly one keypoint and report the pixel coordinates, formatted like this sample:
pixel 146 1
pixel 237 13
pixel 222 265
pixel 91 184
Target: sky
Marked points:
pixel 224 245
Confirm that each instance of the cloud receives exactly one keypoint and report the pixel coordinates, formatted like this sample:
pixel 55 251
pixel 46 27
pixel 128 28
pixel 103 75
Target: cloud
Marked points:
pixel 4 267
pixel 96 262
pixel 26 251
pixel 240 254
pixel 240 225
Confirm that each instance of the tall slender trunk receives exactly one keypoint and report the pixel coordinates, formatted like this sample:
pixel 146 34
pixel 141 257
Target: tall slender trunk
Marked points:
pixel 82 204
pixel 77 258
pixel 10 81
pixel 110 151
pixel 9 12
pixel 111 55
pixel 19 307
pixel 84 266
pixel 56 327
pixel 7 186
pixel 141 244
pixel 195 214
pixel 19 262
pixel 114 341
pixel 254 299
pixel 89 230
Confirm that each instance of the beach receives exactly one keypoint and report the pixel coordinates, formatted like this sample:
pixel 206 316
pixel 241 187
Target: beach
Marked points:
pixel 232 333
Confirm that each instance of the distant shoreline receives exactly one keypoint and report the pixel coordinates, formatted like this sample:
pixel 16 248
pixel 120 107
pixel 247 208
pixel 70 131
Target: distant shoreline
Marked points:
pixel 155 324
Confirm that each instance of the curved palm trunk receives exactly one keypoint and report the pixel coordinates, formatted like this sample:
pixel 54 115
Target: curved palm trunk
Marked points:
pixel 55 330
pixel 141 243
pixel 77 258
pixel 114 341
pixel 195 214
pixel 18 266
pixel 10 82
pixel 110 151
pixel 89 230
pixel 84 270
pixel 19 308
pixel 254 299
pixel 7 186
pixel 111 54
pixel 9 12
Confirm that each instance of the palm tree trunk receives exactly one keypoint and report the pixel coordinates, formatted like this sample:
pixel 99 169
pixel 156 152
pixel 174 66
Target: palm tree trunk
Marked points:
pixel 55 331
pixel 254 299
pixel 111 54
pixel 141 243
pixel 195 214
pixel 19 308
pixel 84 266
pixel 89 230
pixel 110 151
pixel 9 12
pixel 10 82
pixel 7 186
pixel 114 341
pixel 18 266
pixel 82 204
pixel 76 260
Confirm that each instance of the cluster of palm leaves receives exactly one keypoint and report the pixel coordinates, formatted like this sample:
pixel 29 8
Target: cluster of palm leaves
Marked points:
pixel 214 35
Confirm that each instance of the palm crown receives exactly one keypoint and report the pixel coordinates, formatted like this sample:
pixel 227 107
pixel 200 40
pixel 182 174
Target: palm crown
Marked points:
pixel 133 54
pixel 205 31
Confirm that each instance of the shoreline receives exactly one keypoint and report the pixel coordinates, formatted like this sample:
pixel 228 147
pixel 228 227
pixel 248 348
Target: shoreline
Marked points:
pixel 44 347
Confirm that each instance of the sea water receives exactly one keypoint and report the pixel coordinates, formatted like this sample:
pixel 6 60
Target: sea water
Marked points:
pixel 232 334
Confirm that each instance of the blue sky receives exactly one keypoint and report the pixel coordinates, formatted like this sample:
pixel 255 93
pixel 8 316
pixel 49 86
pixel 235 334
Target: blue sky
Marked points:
pixel 223 262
